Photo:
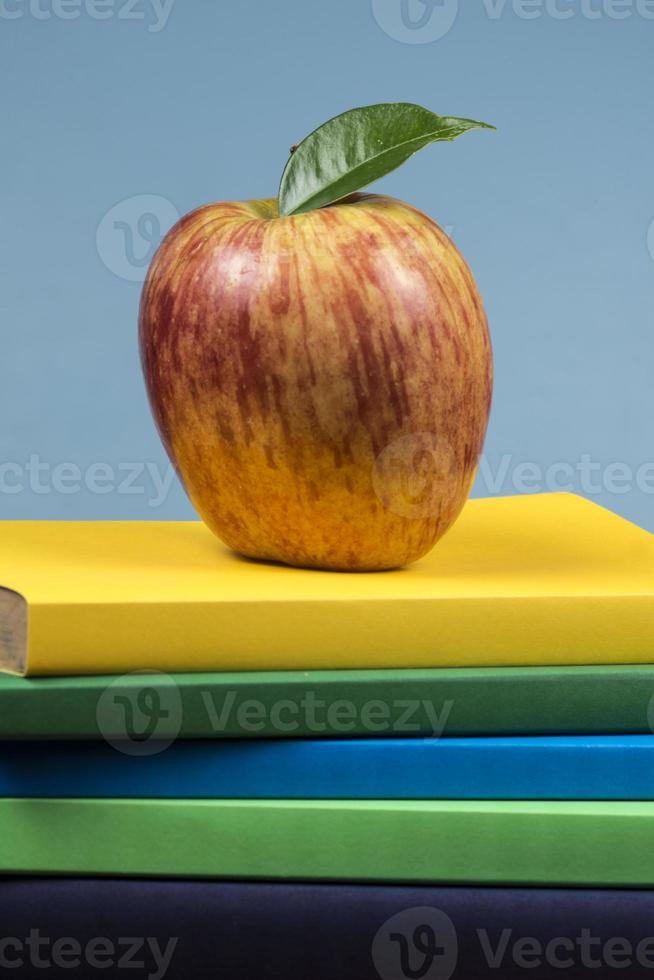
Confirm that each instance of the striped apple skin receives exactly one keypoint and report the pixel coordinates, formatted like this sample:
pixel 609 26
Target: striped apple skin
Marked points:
pixel 321 382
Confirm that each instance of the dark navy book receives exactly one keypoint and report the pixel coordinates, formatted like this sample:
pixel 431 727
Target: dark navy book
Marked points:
pixel 164 930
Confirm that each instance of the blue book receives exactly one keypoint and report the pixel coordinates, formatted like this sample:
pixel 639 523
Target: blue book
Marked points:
pixel 598 767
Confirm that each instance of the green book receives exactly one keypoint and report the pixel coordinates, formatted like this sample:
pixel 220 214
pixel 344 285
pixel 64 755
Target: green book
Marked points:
pixel 339 703
pixel 471 842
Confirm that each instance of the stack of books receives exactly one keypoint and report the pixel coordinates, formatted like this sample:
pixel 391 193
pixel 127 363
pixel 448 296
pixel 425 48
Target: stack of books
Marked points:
pixel 255 771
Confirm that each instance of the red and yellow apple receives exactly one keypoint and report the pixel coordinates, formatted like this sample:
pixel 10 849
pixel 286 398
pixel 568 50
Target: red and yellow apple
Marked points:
pixel 322 381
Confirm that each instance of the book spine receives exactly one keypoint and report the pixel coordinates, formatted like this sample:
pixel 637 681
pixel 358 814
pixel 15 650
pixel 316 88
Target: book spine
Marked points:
pixel 106 638
pixel 599 844
pixel 332 704
pixel 187 929
pixel 539 768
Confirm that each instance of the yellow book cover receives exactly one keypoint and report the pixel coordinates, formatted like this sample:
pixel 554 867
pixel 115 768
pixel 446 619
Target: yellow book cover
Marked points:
pixel 544 579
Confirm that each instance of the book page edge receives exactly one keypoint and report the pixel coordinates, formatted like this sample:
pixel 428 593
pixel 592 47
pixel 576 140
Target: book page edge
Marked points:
pixel 13 631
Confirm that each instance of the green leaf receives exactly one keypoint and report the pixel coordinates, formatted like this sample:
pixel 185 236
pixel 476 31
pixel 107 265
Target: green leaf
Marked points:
pixel 351 150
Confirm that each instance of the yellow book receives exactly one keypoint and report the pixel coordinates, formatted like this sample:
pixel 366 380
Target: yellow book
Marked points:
pixel 549 579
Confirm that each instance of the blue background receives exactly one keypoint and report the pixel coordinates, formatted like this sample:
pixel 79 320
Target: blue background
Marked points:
pixel 552 213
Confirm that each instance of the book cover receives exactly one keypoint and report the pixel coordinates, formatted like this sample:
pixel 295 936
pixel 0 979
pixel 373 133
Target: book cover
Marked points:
pixel 598 843
pixel 546 579
pixel 188 930
pixel 611 767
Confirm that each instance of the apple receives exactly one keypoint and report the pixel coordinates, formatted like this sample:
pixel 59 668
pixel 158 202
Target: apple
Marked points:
pixel 321 380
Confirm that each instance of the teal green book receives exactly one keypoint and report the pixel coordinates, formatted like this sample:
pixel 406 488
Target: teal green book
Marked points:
pixel 596 844
pixel 332 703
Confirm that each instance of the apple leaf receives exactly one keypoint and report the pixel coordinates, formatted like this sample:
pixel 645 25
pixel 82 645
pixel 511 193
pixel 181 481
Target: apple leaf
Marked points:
pixel 352 150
